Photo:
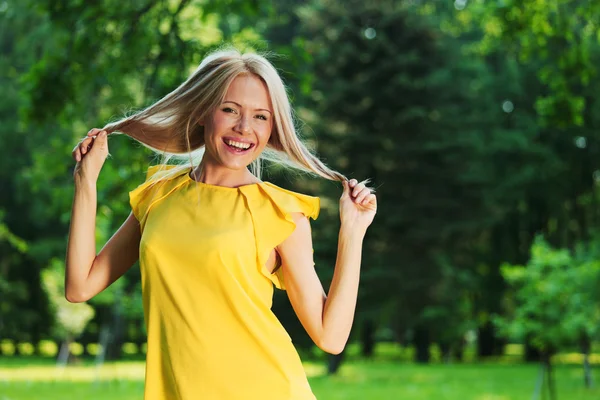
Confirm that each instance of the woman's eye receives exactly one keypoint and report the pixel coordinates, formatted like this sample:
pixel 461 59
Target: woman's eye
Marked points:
pixel 227 109
pixel 263 117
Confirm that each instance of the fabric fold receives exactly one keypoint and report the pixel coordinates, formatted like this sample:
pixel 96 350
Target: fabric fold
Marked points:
pixel 157 186
pixel 270 232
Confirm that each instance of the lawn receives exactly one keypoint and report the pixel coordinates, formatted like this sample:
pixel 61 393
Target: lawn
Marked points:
pixel 28 378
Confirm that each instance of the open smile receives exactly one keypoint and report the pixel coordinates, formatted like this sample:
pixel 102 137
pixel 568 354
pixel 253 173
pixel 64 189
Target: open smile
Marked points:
pixel 237 147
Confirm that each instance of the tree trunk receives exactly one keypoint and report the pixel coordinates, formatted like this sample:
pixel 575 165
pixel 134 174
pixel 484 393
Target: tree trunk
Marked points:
pixel 421 342
pixel 334 362
pixel 113 350
pixel 539 384
pixel 459 350
pixel 549 375
pixel 446 352
pixel 587 370
pixel 63 354
pixel 368 338
pixel 531 353
pixel 85 344
pixel 17 350
pixel 486 340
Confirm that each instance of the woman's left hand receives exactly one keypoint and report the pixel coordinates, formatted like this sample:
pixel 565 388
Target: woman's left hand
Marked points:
pixel 357 205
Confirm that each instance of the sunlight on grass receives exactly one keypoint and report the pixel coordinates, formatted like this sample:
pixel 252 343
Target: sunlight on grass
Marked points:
pixel 125 370
pixel 574 358
pixel 129 370
pixel 27 378
pixel 314 369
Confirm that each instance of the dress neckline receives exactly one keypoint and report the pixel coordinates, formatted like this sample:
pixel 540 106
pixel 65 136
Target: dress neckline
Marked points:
pixel 210 186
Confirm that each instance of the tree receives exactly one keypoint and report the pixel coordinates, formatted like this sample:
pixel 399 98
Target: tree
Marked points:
pixel 555 302
pixel 70 318
pixel 14 292
pixel 392 99
pixel 69 66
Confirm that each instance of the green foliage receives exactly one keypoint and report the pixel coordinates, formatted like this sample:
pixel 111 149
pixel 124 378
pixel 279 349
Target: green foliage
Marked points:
pixel 555 301
pixel 478 124
pixel 13 240
pixel 451 306
pixel 14 292
pixel 70 318
pixel 561 37
pixel 392 98
pixel 69 66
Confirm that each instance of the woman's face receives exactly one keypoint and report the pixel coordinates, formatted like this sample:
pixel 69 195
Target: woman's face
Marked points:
pixel 245 117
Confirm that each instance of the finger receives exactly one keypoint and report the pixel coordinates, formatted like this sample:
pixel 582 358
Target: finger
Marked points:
pixel 362 196
pixel 346 192
pixel 102 136
pixel 368 202
pixel 86 145
pixel 371 201
pixel 352 182
pixel 77 146
pixel 77 154
pixel 100 143
pixel 93 131
pixel 345 187
pixel 357 189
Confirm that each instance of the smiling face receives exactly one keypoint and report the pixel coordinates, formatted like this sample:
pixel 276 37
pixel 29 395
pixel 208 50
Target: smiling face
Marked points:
pixel 244 118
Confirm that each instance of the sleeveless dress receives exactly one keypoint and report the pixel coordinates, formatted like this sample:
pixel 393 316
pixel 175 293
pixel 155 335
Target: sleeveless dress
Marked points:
pixel 206 291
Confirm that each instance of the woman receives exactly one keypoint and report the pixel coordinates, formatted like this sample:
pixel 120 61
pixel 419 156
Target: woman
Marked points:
pixel 213 239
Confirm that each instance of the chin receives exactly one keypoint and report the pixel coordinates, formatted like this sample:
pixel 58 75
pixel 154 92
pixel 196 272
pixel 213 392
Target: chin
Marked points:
pixel 236 166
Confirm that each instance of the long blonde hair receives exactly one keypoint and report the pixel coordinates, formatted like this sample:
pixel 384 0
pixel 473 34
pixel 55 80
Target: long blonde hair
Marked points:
pixel 169 126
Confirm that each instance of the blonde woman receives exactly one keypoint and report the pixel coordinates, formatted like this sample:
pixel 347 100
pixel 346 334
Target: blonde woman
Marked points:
pixel 212 238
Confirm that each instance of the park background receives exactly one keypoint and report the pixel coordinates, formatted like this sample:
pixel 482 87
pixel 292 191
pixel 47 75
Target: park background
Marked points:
pixel 477 122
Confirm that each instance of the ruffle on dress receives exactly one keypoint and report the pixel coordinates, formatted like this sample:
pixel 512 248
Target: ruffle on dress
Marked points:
pixel 161 180
pixel 271 208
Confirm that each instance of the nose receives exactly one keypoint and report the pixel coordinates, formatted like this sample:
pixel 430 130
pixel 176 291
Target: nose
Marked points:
pixel 243 125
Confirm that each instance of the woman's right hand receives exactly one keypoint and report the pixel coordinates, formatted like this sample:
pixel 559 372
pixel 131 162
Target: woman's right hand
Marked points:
pixel 90 154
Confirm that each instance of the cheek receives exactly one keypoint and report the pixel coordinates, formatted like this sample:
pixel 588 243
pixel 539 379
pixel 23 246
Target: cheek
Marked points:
pixel 218 125
pixel 220 122
pixel 265 134
pixel 268 128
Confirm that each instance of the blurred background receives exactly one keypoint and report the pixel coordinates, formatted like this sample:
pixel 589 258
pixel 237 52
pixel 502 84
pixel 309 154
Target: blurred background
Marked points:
pixel 477 121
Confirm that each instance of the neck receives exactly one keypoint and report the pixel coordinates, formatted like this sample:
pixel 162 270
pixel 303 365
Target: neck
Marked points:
pixel 219 176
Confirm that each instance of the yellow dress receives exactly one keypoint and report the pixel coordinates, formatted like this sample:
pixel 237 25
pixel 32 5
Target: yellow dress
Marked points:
pixel 207 294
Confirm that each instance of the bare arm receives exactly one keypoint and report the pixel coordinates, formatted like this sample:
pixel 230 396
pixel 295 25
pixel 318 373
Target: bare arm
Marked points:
pixel 328 318
pixel 87 274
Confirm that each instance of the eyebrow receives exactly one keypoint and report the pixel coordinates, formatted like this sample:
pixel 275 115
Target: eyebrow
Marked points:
pixel 240 106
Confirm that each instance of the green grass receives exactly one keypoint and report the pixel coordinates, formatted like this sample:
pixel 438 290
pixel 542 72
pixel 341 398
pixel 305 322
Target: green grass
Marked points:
pixel 29 378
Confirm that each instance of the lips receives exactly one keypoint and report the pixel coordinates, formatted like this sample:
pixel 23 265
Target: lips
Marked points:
pixel 237 150
pixel 225 139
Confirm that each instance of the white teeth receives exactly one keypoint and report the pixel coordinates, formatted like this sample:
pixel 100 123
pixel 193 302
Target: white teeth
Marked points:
pixel 238 144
